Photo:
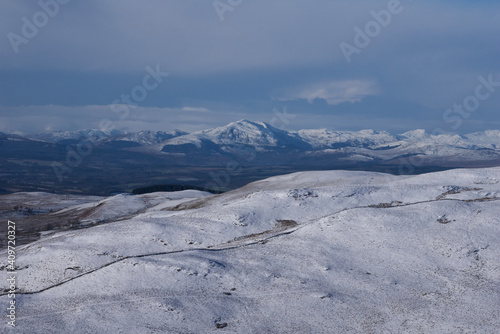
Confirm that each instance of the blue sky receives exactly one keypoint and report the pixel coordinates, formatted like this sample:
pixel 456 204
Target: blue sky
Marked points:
pixel 233 59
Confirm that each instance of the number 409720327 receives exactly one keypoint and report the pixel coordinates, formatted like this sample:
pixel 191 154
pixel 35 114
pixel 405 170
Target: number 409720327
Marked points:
pixel 11 249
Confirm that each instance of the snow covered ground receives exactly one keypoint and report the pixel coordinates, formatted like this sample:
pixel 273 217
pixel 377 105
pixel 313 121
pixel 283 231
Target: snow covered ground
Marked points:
pixel 311 252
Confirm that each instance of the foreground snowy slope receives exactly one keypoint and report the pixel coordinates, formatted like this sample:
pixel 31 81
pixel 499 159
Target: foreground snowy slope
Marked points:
pixel 315 252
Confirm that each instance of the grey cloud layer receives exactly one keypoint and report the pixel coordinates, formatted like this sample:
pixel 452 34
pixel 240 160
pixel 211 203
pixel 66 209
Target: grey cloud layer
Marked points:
pixel 426 59
pixel 186 36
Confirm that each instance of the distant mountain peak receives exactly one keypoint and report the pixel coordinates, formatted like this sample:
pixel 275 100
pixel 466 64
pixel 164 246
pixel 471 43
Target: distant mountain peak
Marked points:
pixel 247 123
pixel 418 133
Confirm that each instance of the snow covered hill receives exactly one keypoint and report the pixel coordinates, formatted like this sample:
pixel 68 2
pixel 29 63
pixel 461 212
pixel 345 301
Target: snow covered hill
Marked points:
pixel 258 139
pixel 325 139
pixel 238 136
pixel 149 137
pixel 142 137
pixel 309 252
pixel 87 134
pixel 244 136
pixel 373 145
pixel 310 147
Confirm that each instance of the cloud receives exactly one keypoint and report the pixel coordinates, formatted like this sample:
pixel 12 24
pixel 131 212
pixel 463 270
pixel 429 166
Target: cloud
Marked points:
pixel 333 92
pixel 183 36
pixel 32 119
pixel 227 67
pixel 195 109
pixel 188 37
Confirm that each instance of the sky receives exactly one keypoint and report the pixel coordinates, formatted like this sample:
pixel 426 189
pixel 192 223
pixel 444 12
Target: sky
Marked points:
pixel 184 64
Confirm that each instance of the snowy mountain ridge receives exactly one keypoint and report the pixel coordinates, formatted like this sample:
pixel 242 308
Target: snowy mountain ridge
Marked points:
pixel 382 253
pixel 88 134
pixel 263 134
pixel 261 138
pixel 367 144
pixel 145 137
pixel 258 135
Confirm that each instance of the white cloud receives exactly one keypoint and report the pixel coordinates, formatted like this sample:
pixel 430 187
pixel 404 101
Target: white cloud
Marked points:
pixel 333 92
pixel 195 109
pixel 36 118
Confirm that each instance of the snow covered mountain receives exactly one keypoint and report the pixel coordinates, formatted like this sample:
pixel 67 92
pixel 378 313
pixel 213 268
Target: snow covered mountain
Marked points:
pixel 149 137
pixel 325 139
pixel 384 146
pixel 309 252
pixel 365 145
pixel 142 137
pixel 88 134
pixel 265 144
pixel 238 136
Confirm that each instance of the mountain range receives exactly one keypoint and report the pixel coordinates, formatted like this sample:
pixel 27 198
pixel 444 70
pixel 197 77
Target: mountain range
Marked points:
pixel 246 137
pixel 102 162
